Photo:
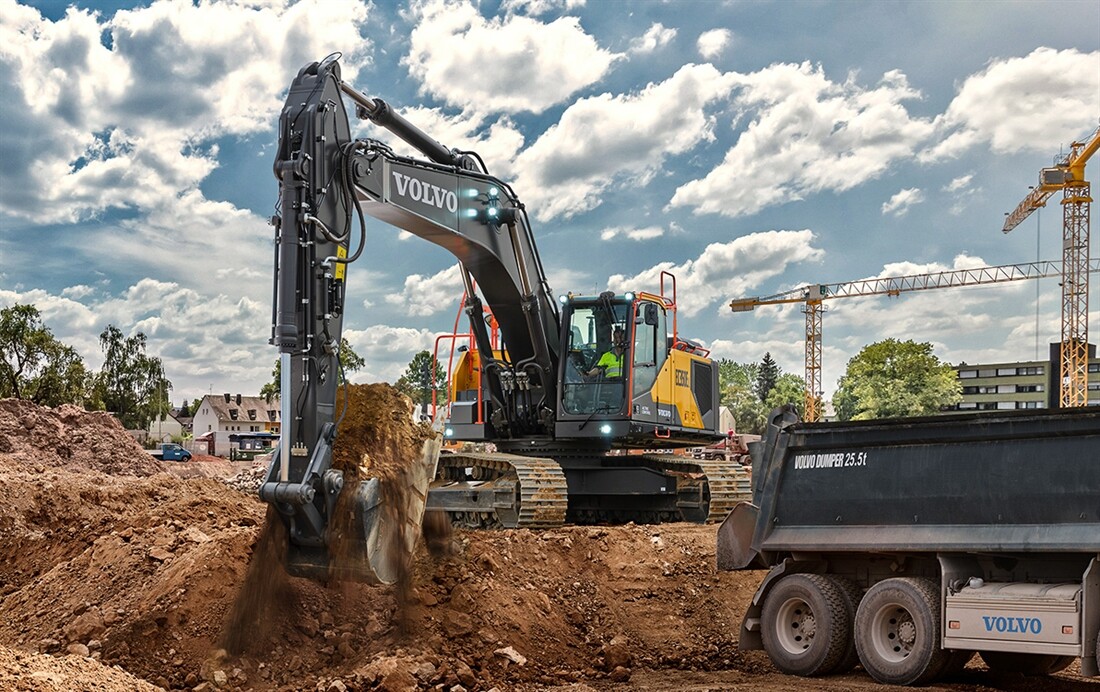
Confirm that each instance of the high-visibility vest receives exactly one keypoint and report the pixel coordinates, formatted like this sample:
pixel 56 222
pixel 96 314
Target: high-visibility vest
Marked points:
pixel 612 363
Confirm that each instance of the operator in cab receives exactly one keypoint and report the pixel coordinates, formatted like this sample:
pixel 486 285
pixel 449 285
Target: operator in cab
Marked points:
pixel 610 363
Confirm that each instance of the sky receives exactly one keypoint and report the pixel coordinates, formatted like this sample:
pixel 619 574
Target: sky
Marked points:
pixel 749 147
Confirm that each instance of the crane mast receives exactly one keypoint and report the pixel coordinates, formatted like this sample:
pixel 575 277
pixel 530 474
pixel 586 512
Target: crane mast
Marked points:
pixel 812 298
pixel 1068 175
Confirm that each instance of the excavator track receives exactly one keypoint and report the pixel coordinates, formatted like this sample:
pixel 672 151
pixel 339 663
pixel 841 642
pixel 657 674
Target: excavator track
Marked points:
pixel 707 489
pixel 526 492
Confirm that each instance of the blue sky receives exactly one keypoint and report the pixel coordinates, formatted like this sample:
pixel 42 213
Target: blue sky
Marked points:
pixel 750 147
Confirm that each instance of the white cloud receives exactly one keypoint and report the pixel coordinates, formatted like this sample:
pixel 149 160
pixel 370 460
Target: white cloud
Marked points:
pixel 959 184
pixel 1034 103
pixel 902 200
pixel 727 270
pixel 490 65
pixel 603 140
pixel 388 350
pixel 77 292
pixel 657 36
pixel 177 237
pixel 961 191
pixel 536 8
pixel 808 135
pixel 428 295
pixel 646 233
pixel 91 127
pixel 711 43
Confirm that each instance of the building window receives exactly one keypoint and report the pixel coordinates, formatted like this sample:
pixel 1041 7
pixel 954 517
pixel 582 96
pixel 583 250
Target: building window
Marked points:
pixel 987 372
pixel 967 374
pixel 970 390
pixel 1004 372
pixel 1027 404
pixel 1094 367
pixel 1006 404
pixel 1034 370
pixel 967 405
pixel 1025 388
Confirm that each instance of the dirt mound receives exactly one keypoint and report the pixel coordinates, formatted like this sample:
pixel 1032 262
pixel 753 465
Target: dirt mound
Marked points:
pixel 71 437
pixel 22 670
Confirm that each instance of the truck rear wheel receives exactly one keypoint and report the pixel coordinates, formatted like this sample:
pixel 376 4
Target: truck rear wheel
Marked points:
pixel 898 632
pixel 852 594
pixel 1025 664
pixel 805 626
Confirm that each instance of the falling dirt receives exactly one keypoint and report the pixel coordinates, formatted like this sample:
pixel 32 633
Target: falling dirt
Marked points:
pixel 117 577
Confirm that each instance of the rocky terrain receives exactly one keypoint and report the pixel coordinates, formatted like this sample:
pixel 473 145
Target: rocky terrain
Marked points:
pixel 120 573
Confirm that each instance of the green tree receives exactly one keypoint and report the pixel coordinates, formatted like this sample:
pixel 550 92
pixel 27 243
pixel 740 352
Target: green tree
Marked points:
pixel 736 383
pixel 766 377
pixel 894 378
pixel 131 384
pixel 350 360
pixel 36 366
pixel 417 381
pixel 789 389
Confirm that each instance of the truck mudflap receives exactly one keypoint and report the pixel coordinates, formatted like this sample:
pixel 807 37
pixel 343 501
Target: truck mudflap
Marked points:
pixel 500 490
pixel 735 549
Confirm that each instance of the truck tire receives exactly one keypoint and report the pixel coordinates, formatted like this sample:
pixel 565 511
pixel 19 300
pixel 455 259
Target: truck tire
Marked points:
pixel 804 625
pixel 1025 664
pixel 898 630
pixel 852 594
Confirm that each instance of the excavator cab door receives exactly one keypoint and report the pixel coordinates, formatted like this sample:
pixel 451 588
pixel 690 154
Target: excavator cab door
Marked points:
pixel 650 352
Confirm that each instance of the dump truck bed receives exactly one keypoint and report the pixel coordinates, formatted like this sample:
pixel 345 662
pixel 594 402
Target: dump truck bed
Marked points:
pixel 1013 481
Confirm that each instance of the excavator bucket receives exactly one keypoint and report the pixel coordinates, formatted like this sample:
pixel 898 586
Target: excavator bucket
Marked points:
pixel 370 524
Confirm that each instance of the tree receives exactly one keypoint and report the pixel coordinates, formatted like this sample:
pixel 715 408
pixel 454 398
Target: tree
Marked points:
pixel 789 389
pixel 894 378
pixel 349 359
pixel 36 366
pixel 417 381
pixel 735 382
pixel 185 410
pixel 131 384
pixel 766 377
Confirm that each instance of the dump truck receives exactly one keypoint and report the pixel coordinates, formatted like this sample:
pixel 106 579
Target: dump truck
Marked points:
pixel 907 545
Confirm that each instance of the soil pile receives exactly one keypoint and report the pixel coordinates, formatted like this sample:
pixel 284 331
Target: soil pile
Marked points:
pixel 71 438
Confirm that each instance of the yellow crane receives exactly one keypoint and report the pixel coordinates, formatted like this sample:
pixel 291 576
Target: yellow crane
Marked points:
pixel 813 296
pixel 1068 174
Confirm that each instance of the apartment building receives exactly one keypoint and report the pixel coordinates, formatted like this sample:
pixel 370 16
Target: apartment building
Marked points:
pixel 1020 385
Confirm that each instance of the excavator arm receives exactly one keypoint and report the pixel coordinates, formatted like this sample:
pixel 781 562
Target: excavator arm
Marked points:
pixel 326 180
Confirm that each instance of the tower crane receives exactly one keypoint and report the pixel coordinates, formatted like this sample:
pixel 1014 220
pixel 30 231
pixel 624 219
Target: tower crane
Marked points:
pixel 814 295
pixel 1068 174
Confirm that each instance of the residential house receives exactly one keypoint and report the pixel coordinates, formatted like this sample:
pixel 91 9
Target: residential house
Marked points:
pixel 220 416
pixel 165 428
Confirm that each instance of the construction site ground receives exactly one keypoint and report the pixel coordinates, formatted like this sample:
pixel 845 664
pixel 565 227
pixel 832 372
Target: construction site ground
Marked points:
pixel 119 573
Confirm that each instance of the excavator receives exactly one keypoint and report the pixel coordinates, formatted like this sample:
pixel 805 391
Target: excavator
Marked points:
pixel 583 398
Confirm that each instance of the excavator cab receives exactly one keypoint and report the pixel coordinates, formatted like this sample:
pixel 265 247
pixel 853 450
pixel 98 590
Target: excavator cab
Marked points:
pixel 627 378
